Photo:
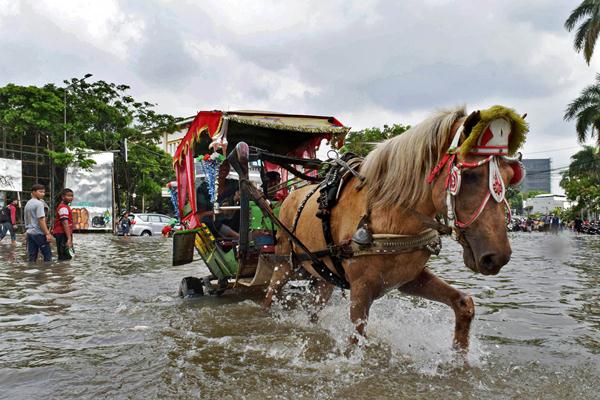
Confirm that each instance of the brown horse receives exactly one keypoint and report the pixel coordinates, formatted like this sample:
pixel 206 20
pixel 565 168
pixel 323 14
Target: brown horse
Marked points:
pixel 396 188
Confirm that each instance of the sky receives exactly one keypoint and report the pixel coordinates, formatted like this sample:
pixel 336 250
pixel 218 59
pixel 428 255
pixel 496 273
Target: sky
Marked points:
pixel 366 62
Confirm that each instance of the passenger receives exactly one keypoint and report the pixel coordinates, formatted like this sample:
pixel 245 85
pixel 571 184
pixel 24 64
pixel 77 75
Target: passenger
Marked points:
pixel 206 215
pixel 273 186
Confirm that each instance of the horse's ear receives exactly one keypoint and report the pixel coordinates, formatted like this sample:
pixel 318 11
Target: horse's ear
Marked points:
pixel 471 121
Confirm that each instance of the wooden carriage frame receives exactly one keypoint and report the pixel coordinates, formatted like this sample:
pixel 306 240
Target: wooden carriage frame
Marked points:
pixel 286 143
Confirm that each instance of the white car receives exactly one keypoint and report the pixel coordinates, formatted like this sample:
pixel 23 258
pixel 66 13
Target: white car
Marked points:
pixel 148 224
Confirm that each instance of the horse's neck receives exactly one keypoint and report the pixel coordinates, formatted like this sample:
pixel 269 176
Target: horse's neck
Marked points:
pixel 403 221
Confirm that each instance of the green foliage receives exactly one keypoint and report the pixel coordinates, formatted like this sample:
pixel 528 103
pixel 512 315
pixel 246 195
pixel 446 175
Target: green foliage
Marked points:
pixel 588 13
pixel 28 110
pixel 585 110
pixel 531 194
pixel 98 115
pixel 582 180
pixel 362 142
pixel 515 199
pixel 149 170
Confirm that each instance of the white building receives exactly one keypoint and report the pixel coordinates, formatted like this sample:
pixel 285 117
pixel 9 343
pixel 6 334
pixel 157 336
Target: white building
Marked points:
pixel 170 141
pixel 546 203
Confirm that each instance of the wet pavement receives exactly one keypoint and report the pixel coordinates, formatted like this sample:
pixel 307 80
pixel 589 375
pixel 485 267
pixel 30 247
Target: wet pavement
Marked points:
pixel 109 324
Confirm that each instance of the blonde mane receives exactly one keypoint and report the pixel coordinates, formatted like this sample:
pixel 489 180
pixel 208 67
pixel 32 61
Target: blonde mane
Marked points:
pixel 396 169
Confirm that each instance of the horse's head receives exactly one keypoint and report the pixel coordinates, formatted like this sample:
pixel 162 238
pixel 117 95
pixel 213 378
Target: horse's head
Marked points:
pixel 469 184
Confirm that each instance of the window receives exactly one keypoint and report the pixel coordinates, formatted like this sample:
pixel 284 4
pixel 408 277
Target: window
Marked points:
pixel 153 218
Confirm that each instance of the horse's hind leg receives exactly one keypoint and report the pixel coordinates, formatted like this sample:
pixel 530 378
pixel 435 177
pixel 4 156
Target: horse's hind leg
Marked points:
pixel 429 286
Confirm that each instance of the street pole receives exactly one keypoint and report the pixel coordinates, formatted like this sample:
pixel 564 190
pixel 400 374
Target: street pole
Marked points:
pixel 65 115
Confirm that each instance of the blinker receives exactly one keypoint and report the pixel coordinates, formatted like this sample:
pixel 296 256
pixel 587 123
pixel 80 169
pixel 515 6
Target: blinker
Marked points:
pixel 362 236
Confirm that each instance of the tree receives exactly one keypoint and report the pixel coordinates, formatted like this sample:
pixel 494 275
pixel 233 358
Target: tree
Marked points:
pixel 585 110
pixel 148 171
pixel 588 13
pixel 582 180
pixel 99 115
pixel 362 142
pixel 515 199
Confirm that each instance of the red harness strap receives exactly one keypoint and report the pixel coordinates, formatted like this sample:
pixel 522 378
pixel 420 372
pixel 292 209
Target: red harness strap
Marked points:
pixel 436 171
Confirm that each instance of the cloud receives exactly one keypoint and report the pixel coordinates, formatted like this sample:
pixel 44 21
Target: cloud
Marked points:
pixel 368 62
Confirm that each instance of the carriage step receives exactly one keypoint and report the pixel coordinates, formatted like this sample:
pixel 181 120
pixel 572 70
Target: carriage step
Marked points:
pixel 264 270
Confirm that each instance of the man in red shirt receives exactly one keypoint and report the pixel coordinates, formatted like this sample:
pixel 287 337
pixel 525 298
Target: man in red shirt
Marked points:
pixel 63 226
pixel 8 221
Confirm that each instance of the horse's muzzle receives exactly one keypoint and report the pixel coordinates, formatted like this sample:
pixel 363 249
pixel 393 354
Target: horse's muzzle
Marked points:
pixel 491 263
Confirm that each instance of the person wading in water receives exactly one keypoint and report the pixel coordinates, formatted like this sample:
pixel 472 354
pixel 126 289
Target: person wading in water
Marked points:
pixel 38 235
pixel 8 221
pixel 63 226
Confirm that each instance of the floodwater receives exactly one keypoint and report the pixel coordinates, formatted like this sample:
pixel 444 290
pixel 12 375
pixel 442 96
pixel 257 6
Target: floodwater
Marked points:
pixel 110 325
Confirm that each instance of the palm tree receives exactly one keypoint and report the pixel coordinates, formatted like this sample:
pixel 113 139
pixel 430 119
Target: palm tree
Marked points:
pixel 585 110
pixel 585 162
pixel 588 31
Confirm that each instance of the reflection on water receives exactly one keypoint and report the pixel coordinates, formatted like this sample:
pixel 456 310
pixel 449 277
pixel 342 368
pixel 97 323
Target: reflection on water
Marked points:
pixel 109 324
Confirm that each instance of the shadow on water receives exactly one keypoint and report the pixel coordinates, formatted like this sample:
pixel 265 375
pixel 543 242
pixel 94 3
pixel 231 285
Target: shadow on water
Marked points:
pixel 109 325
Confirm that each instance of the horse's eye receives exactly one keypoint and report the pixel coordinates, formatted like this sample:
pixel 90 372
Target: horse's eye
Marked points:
pixel 470 177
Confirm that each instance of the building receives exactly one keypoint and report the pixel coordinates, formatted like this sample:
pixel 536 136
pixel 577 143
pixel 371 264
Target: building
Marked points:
pixel 537 176
pixel 546 203
pixel 30 152
pixel 170 141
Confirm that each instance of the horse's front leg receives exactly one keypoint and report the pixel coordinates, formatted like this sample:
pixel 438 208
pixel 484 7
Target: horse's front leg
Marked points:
pixel 321 294
pixel 361 299
pixel 281 275
pixel 429 286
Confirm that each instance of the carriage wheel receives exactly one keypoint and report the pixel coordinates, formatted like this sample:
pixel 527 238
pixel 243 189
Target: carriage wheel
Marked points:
pixel 191 287
pixel 215 290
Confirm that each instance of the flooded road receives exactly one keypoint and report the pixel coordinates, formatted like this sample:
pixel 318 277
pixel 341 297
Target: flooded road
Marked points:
pixel 109 325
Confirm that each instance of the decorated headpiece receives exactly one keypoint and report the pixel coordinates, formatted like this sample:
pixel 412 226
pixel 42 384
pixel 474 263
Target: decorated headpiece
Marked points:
pixel 500 131
pixel 495 133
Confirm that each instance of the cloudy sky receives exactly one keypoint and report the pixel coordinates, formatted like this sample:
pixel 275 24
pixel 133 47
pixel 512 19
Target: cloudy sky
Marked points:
pixel 367 62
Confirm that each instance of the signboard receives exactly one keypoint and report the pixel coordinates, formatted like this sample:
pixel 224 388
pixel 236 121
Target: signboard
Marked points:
pixel 11 176
pixel 93 193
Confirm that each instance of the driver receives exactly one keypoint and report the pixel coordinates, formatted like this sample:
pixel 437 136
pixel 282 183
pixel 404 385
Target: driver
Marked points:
pixel 273 186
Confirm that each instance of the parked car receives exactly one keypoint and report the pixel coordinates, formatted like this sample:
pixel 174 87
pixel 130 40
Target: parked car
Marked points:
pixel 148 224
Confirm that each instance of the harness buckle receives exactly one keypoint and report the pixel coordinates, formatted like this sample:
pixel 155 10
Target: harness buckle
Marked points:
pixel 434 247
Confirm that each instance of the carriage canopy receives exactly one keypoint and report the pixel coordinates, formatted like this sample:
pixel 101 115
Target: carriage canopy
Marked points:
pixel 284 134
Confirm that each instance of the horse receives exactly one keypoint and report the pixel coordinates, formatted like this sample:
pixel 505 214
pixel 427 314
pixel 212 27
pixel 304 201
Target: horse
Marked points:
pixel 436 167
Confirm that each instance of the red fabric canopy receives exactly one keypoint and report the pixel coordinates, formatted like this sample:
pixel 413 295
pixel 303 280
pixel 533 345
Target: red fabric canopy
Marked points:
pixel 209 121
pixel 205 121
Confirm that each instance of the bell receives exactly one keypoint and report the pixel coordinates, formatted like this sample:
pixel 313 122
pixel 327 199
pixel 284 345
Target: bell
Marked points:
pixel 362 236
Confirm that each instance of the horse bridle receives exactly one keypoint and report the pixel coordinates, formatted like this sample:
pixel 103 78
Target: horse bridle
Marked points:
pixel 452 185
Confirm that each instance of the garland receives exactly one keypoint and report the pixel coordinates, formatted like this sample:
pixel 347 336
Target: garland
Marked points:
pixel 211 164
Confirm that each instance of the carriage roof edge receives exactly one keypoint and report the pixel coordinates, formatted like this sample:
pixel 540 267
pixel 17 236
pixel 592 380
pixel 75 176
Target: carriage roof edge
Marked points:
pixel 259 127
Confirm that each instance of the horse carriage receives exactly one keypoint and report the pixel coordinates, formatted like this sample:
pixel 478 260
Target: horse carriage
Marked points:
pixel 226 221
pixel 369 225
